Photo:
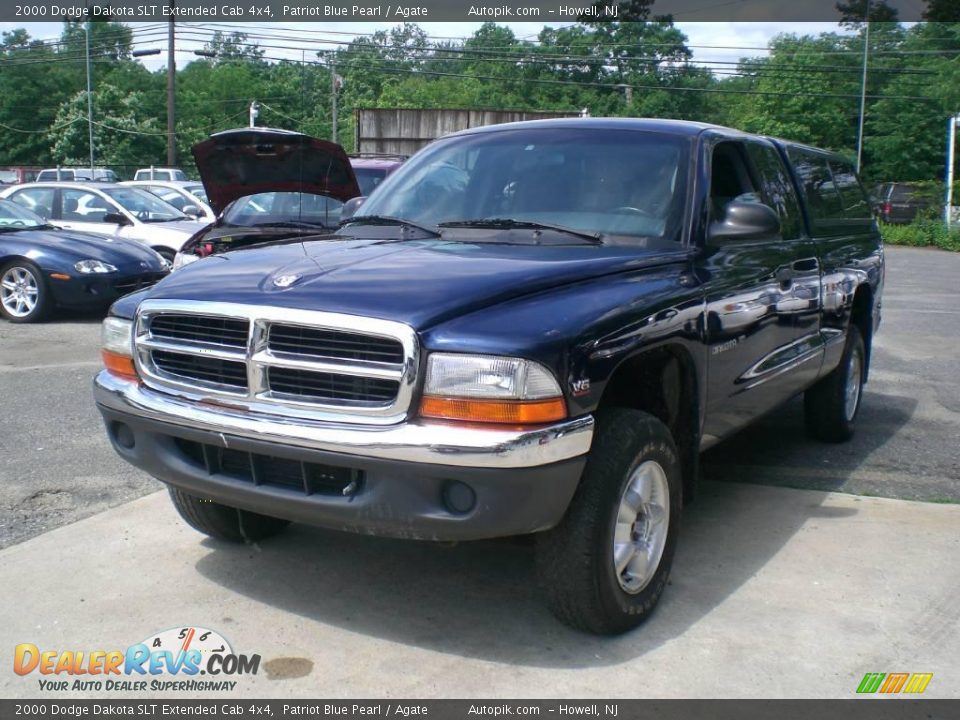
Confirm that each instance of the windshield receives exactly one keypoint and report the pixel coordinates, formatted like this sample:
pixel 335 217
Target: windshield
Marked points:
pixel 283 207
pixel 369 178
pixel 13 216
pixel 622 183
pixel 143 205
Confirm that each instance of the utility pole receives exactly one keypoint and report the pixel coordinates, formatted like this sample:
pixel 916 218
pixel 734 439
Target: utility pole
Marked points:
pixel 89 29
pixel 863 85
pixel 951 142
pixel 333 90
pixel 171 93
pixel 254 112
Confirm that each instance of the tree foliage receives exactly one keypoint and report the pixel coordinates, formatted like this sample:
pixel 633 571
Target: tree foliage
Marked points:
pixel 805 88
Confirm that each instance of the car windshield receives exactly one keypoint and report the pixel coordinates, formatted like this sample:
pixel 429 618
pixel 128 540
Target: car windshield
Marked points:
pixel 284 207
pixel 369 178
pixel 144 206
pixel 16 217
pixel 626 184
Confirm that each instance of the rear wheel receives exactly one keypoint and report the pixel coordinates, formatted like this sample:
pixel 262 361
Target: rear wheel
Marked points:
pixel 606 565
pixel 224 522
pixel 831 406
pixel 24 296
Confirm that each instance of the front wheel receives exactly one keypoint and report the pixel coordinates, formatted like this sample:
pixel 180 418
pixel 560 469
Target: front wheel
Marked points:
pixel 23 292
pixel 606 565
pixel 224 522
pixel 831 406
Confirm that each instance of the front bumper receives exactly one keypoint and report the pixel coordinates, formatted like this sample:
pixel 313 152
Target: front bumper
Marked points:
pixel 521 480
pixel 99 290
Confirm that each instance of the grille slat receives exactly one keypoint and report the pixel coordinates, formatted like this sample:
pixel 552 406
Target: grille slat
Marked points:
pixel 334 344
pixel 230 332
pixel 199 367
pixel 254 468
pixel 328 386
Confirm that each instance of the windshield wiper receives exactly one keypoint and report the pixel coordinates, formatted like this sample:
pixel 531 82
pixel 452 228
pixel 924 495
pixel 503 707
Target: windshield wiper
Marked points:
pixel 388 220
pixel 290 224
pixel 511 223
pixel 163 220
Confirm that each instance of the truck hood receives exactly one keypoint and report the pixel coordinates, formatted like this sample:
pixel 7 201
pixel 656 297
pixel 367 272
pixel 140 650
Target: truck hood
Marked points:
pixel 236 163
pixel 417 282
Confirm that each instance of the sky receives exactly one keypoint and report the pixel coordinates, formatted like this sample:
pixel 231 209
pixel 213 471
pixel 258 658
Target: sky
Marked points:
pixel 724 41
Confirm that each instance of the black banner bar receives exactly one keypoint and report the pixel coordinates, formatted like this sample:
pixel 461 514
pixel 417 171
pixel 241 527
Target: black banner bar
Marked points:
pixel 539 11
pixel 855 709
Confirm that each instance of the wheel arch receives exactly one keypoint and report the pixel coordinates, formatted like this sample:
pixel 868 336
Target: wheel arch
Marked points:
pixel 861 317
pixel 663 382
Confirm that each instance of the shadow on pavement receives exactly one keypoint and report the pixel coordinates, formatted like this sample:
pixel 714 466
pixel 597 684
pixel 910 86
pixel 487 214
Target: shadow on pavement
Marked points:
pixel 480 599
pixel 775 451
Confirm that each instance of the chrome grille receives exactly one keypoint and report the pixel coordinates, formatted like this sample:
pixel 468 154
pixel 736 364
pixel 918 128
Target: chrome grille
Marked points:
pixel 278 361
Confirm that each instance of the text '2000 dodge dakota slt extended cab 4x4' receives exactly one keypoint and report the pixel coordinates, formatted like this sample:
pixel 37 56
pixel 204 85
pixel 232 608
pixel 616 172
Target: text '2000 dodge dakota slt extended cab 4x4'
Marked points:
pixel 529 328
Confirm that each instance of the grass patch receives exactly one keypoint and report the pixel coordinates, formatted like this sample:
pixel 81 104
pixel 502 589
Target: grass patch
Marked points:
pixel 922 232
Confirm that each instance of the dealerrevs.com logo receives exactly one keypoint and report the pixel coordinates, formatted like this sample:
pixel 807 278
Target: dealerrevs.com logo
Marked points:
pixel 170 661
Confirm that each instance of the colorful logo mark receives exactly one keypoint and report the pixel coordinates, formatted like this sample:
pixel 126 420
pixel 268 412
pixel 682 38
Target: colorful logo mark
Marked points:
pixel 892 683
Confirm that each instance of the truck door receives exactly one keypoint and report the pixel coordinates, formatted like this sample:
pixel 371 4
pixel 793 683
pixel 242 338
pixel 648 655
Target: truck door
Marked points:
pixel 752 298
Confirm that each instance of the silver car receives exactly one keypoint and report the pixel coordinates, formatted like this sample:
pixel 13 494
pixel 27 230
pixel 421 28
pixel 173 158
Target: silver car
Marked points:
pixel 110 210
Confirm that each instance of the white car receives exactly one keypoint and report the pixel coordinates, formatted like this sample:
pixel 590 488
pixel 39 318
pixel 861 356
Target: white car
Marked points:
pixel 109 210
pixel 186 196
pixel 160 173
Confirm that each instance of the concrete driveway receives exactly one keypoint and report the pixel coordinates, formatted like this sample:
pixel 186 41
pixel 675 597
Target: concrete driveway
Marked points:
pixel 775 593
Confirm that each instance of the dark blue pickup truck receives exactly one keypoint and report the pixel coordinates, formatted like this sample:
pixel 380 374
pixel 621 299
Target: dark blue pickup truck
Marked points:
pixel 530 328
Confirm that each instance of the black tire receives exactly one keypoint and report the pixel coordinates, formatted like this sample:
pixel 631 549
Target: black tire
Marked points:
pixel 166 253
pixel 224 522
pixel 575 560
pixel 43 302
pixel 827 415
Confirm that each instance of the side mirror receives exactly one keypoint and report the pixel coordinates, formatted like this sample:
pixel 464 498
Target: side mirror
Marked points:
pixel 745 221
pixel 191 210
pixel 350 207
pixel 115 218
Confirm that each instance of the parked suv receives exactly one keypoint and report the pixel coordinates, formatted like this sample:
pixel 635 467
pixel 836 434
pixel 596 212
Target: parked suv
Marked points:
pixel 512 336
pixel 900 203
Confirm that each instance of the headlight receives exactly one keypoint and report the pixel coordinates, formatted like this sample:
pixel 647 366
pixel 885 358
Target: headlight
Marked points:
pixel 183 259
pixel 91 267
pixel 487 388
pixel 116 346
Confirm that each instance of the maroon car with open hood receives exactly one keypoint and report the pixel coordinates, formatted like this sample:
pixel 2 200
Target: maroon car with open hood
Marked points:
pixel 267 184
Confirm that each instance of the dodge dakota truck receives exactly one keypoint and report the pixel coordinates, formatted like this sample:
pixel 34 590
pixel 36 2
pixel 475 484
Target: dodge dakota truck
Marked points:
pixel 529 328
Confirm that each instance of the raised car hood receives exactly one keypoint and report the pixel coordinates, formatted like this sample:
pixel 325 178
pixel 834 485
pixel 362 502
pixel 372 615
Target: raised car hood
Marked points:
pixel 246 161
pixel 416 282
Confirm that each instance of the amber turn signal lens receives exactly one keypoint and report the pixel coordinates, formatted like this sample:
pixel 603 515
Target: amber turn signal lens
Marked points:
pixel 503 412
pixel 118 364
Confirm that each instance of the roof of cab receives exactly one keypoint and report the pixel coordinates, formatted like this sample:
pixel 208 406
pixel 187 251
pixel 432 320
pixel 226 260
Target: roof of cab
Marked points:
pixel 687 128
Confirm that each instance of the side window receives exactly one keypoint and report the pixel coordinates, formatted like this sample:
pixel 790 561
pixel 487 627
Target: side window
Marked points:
pixel 823 198
pixel 854 199
pixel 776 189
pixel 40 200
pixel 82 206
pixel 729 179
